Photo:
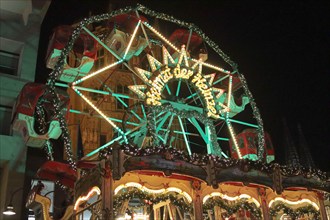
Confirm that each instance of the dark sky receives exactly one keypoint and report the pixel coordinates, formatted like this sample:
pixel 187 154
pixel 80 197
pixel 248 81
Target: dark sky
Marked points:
pixel 282 48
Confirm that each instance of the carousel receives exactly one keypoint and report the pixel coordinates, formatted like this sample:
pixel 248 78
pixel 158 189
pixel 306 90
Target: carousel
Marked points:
pixel 156 125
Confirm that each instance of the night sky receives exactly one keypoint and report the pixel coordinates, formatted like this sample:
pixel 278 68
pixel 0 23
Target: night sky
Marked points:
pixel 282 48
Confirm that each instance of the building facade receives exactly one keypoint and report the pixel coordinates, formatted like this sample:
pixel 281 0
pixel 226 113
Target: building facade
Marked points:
pixel 19 40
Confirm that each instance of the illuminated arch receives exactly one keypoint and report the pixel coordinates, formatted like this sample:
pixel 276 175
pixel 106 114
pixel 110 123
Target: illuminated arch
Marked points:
pixel 94 191
pixel 154 191
pixel 291 202
pixel 231 198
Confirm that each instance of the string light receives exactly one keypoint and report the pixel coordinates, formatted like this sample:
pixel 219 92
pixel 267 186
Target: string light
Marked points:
pixel 187 196
pixel 98 111
pixel 218 92
pixel 96 72
pixel 161 36
pixel 118 188
pixel 213 66
pixel 132 38
pixel 59 66
pixel 183 55
pixel 301 201
pixel 177 50
pixel 201 82
pixel 233 137
pixel 210 77
pixel 294 213
pixel 95 190
pixel 144 74
pixel 215 47
pixel 153 62
pixel 167 57
pixel 229 91
pixel 230 198
pixel 138 89
pixel 153 191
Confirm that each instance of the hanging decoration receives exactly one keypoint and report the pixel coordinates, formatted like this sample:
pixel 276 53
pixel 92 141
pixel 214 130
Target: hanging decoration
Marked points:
pixel 294 213
pixel 232 209
pixel 222 163
pixel 149 199
pixel 289 202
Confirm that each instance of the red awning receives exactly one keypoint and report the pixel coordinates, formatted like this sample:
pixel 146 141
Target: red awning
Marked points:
pixel 57 171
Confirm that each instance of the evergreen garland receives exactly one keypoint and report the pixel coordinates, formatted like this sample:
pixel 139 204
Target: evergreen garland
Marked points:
pixel 202 160
pixel 232 209
pixel 294 213
pixel 151 198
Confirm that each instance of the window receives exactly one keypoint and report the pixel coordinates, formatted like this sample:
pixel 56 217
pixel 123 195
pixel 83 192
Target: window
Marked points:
pixel 10 53
pixel 9 62
pixel 120 89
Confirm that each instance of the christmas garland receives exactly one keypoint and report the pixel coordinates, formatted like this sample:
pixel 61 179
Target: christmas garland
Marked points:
pixel 150 198
pixel 294 213
pixel 202 160
pixel 232 209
